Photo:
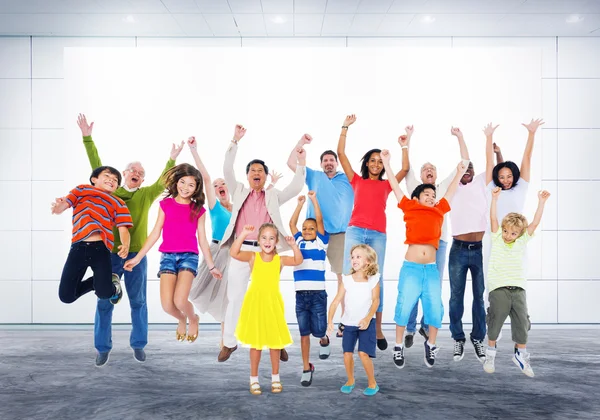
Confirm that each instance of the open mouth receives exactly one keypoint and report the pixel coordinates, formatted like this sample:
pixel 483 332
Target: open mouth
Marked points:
pixel 135 179
pixel 221 192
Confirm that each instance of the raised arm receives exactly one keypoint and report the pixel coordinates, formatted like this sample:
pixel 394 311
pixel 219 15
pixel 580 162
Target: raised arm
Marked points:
pixel 334 305
pixel 341 149
pixel 292 160
pixel 205 248
pixel 493 214
pixel 498 153
pixel 211 198
pixel 488 130
pixel 60 205
pixel 537 218
pixel 464 152
pixel 296 215
pixel 385 157
pixel 90 147
pixel 526 162
pixel 294 260
pixel 228 172
pixel 460 171
pixel 318 215
pixel 150 241
pixel 156 189
pixel 404 142
pixel 236 248
pixel 294 187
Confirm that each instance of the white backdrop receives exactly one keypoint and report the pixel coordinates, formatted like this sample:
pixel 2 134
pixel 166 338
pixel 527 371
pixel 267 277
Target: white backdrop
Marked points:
pixel 142 100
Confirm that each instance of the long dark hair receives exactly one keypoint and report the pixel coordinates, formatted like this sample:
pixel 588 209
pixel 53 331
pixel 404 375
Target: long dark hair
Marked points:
pixel 516 173
pixel 172 177
pixel 364 169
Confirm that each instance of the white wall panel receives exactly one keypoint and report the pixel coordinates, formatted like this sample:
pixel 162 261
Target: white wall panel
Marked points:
pixel 578 103
pixel 15 55
pixel 549 103
pixel 541 301
pixel 15 211
pixel 408 42
pixel 549 255
pixel 578 57
pixel 15 305
pixel 577 255
pixel 550 216
pixel 15 103
pixel 578 301
pixel 50 251
pixel 48 103
pixel 48 155
pixel 15 255
pixel 43 194
pixel 188 42
pixel 573 214
pixel 15 155
pixel 577 153
pixel 48 309
pixel 549 146
pixel 293 42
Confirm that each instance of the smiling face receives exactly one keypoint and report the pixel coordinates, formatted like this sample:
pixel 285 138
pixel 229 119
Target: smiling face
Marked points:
pixel 358 259
pixel 329 165
pixel 221 190
pixel 309 230
pixel 106 181
pixel 505 176
pixel 267 240
pixel 428 173
pixel 257 176
pixel 134 175
pixel 186 187
pixel 375 165
pixel 468 176
pixel 511 234
pixel 427 197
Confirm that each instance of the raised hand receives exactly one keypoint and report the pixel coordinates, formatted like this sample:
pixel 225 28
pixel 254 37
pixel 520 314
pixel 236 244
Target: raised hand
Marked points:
pixel 461 167
pixel 489 129
pixel 305 139
pixel 543 195
pixel 290 241
pixel 300 154
pixel 301 200
pixel 247 229
pixel 496 148
pixel 216 273
pixel 403 140
pixel 455 131
pixel 86 129
pixel 350 119
pixel 385 156
pixel 410 129
pixel 275 176
pixel 496 192
pixel 238 132
pixel 192 143
pixel 312 195
pixel 533 125
pixel 176 150
pixel 57 205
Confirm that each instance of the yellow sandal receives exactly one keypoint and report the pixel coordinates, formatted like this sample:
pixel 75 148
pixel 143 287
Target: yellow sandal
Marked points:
pixel 276 387
pixel 255 388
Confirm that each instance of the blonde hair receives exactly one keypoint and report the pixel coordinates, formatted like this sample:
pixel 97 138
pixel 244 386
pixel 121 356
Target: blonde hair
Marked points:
pixel 269 226
pixel 371 268
pixel 515 220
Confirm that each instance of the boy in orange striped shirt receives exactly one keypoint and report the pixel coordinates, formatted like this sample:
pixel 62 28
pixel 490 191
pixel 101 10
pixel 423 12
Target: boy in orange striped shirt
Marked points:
pixel 95 212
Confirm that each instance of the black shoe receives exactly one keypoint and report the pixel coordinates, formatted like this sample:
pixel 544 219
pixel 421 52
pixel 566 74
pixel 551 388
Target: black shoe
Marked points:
pixel 116 298
pixel 459 350
pixel 307 375
pixel 409 339
pixel 430 354
pixel 398 357
pixel 424 333
pixel 382 343
pixel 102 359
pixel 479 349
pixel 139 355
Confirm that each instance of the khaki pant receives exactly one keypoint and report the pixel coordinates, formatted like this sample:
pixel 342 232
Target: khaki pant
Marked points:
pixel 504 302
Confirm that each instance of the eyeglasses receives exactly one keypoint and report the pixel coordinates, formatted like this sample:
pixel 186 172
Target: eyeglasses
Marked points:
pixel 136 172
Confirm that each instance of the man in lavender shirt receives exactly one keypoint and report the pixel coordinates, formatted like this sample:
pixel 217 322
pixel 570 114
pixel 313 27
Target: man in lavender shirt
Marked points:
pixel 252 205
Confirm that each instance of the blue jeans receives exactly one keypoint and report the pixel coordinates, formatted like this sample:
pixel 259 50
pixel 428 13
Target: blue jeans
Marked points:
pixel 135 283
pixel 373 238
pixel 466 256
pixel 311 312
pixel 440 261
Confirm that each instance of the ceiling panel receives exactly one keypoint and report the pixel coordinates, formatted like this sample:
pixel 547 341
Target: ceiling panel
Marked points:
pixel 374 6
pixel 395 24
pixel 245 6
pixel 408 6
pixel 279 24
pixel 130 6
pixel 367 24
pixel 472 6
pixel 181 6
pixel 310 6
pixel 342 6
pixel 548 25
pixel 308 25
pixel 552 6
pixel 221 24
pixel 251 24
pixel 278 6
pixel 336 24
pixel 213 6
pixel 193 24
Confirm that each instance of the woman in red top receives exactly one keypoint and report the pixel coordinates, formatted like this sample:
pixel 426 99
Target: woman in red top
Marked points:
pixel 368 223
pixel 419 277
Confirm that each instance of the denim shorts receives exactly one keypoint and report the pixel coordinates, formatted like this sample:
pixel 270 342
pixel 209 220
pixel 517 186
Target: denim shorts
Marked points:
pixel 174 262
pixel 367 339
pixel 311 311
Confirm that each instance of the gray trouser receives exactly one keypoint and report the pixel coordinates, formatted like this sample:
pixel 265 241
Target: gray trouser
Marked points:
pixel 504 302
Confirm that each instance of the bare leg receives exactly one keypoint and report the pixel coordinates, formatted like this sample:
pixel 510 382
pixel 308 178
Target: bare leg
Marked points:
pixel 254 361
pixel 349 364
pixel 167 291
pixel 433 331
pixel 491 343
pixel 400 333
pixel 275 353
pixel 305 346
pixel 182 292
pixel 378 319
pixel 369 368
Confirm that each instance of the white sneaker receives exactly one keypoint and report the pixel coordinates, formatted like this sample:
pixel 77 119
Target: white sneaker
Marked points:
pixel 488 364
pixel 522 361
pixel 459 350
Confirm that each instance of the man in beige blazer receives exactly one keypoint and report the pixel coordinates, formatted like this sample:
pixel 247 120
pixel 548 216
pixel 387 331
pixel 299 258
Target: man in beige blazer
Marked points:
pixel 251 205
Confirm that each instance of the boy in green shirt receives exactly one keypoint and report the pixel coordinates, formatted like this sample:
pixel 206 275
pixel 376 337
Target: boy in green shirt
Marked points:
pixel 138 200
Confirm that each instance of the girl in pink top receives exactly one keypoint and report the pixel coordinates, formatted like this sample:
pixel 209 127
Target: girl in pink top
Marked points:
pixel 180 218
pixel 368 223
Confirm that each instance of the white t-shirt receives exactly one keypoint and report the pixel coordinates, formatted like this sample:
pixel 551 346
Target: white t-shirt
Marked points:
pixel 470 211
pixel 358 299
pixel 440 191
pixel 510 201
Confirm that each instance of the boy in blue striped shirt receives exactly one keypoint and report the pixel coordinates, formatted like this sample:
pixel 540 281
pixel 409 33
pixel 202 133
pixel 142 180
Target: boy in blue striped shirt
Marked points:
pixel 309 281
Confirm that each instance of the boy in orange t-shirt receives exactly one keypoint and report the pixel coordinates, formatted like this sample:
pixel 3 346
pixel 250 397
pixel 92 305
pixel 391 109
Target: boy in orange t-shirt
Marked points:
pixel 419 277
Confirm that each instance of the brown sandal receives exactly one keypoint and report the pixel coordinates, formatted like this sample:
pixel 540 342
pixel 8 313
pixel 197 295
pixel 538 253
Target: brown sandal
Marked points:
pixel 276 387
pixel 255 388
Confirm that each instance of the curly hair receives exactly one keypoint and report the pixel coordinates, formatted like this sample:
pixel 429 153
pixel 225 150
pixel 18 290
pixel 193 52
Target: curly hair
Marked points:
pixel 364 165
pixel 515 220
pixel 372 267
pixel 172 177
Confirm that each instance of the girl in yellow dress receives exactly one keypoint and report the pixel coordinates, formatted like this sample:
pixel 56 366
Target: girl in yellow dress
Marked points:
pixel 262 322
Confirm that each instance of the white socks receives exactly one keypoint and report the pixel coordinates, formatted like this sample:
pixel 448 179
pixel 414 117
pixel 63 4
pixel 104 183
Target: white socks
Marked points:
pixel 253 379
pixel 275 378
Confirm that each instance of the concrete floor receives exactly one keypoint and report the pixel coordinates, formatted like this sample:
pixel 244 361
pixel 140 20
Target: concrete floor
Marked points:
pixel 50 374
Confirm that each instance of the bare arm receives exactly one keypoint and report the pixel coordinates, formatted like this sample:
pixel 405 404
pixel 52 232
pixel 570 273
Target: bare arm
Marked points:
pixel 125 241
pixel 460 171
pixel 60 205
pixel 292 159
pixel 526 162
pixel 488 130
pixel 150 241
pixel 537 218
pixel 493 212
pixel 296 215
pixel 464 152
pixel 334 305
pixel 295 187
pixel 498 153
pixel 236 248
pixel 364 323
pixel 385 156
pixel 205 248
pixel 297 258
pixel 405 166
pixel 318 215
pixel 211 198
pixel 341 149
pixel 228 172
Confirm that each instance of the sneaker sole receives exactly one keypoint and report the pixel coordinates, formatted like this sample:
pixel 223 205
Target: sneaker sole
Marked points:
pixel 400 367
pixel 489 371
pixel 137 360
pixel 427 363
pixel 105 363
pixel 516 362
pixel 459 357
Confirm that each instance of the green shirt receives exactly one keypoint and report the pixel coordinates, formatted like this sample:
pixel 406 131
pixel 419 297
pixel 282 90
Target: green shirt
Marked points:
pixel 506 267
pixel 138 202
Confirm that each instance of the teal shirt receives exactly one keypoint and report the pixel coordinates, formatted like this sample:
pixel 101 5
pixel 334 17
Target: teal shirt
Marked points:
pixel 219 219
